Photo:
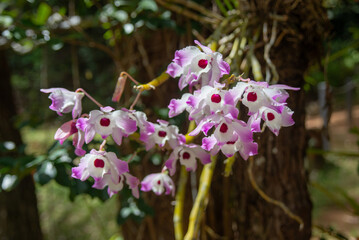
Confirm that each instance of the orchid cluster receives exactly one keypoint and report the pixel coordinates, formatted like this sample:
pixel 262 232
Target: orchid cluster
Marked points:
pixel 211 104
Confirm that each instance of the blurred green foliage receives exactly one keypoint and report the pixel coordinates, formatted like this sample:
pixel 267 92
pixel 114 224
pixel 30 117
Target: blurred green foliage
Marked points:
pixel 342 61
pixel 39 37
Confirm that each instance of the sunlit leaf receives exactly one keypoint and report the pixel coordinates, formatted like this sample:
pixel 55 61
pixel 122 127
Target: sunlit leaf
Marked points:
pixel 5 21
pixel 43 13
pixel 148 5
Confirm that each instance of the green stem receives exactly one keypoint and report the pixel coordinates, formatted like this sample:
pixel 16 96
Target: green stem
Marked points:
pixel 200 203
pixel 154 83
pixel 228 4
pixel 221 8
pixel 180 197
pixel 229 163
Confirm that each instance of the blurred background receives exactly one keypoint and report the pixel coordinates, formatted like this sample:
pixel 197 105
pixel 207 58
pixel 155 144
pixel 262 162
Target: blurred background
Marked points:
pixel 72 44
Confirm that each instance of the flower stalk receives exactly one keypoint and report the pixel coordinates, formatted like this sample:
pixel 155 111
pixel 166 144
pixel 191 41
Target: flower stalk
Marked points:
pixel 89 96
pixel 229 163
pixel 180 197
pixel 200 203
pixel 154 83
pixel 120 85
pixel 181 192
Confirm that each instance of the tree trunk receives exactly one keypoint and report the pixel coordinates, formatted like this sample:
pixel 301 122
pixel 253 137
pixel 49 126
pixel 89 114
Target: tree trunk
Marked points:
pixel 279 167
pixel 235 210
pixel 279 171
pixel 19 218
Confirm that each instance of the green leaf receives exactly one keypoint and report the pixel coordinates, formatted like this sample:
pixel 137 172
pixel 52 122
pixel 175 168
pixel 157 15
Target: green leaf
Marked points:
pixel 7 161
pixel 43 13
pixel 88 3
pixel 147 5
pixel 5 21
pixel 63 176
pixel 106 25
pixel 120 15
pixel 4 170
pixel 108 34
pixel 45 173
pixel 59 155
pixel 62 11
pixel 163 113
pixel 116 237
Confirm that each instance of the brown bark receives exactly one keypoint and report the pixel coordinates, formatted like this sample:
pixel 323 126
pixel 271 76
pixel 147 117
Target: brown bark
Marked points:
pixel 279 167
pixel 152 46
pixel 280 173
pixel 19 218
pixel 235 210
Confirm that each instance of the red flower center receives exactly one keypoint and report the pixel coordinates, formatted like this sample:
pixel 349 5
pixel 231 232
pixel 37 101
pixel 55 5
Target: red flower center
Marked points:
pixel 270 116
pixel 162 133
pixel 252 96
pixel 99 163
pixel 105 122
pixel 216 98
pixel 223 128
pixel 202 63
pixel 186 155
pixel 231 142
pixel 159 182
pixel 73 128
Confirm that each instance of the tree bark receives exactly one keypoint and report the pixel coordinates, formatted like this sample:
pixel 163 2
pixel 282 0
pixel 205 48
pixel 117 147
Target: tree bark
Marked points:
pixel 19 218
pixel 235 210
pixel 279 167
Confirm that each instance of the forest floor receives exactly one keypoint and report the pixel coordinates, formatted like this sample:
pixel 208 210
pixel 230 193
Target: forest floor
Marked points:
pixel 332 208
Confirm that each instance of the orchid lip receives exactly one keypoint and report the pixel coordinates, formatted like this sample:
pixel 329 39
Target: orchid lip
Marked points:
pixel 105 122
pixel 270 116
pixel 223 128
pixel 203 63
pixel 162 134
pixel 252 97
pixel 186 155
pixel 99 163
pixel 216 98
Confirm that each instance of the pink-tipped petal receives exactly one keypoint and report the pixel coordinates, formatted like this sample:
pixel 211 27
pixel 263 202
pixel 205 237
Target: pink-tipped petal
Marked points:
pixel 204 48
pixel 171 163
pixel 208 143
pixel 133 183
pixel 65 131
pixel 174 70
pixel 184 56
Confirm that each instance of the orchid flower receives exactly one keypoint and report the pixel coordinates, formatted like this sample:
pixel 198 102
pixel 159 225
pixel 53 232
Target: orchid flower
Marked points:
pixel 196 67
pixel 71 128
pixel 108 122
pixel 107 170
pixel 163 133
pixel 65 101
pixel 159 183
pixel 187 155
pixel 115 184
